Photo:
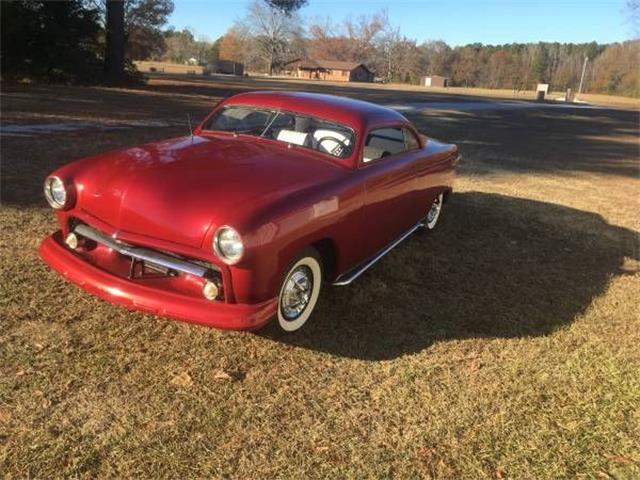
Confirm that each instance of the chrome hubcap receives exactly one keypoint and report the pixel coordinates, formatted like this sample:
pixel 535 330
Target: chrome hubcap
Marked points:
pixel 434 211
pixel 297 292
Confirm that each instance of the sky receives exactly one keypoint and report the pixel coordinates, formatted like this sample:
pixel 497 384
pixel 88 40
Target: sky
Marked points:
pixel 456 22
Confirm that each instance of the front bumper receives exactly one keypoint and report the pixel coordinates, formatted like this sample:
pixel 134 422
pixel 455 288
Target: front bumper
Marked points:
pixel 134 295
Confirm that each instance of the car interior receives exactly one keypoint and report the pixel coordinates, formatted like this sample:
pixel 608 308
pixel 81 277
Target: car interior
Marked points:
pixel 305 131
pixel 384 142
pixel 310 132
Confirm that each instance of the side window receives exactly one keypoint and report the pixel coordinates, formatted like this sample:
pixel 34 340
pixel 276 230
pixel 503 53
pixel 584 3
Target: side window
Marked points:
pixel 410 140
pixel 383 142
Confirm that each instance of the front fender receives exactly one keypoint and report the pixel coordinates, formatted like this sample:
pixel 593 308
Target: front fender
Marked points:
pixel 283 232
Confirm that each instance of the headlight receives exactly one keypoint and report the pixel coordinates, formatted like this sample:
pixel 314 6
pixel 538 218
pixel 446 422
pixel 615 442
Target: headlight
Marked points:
pixel 228 245
pixel 55 192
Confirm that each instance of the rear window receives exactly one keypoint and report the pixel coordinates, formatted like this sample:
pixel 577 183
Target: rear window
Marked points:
pixel 383 142
pixel 288 127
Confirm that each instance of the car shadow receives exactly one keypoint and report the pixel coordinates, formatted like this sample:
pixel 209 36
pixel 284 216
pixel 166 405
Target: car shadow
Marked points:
pixel 497 266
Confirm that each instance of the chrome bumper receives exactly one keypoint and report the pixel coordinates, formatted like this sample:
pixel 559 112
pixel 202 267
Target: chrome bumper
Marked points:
pixel 143 254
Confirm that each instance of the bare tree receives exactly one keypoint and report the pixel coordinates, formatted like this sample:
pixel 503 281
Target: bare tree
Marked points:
pixel 616 69
pixel 364 39
pixel 328 41
pixel 364 33
pixel 179 45
pixel 397 57
pixel 436 58
pixel 273 29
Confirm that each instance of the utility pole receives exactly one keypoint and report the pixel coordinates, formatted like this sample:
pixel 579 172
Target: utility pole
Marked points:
pixel 584 69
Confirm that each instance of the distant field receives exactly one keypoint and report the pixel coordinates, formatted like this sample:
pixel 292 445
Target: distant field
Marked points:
pixel 597 99
pixel 504 345
pixel 374 91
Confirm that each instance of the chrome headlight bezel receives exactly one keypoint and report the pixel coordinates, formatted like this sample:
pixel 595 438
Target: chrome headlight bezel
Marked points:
pixel 223 241
pixel 56 192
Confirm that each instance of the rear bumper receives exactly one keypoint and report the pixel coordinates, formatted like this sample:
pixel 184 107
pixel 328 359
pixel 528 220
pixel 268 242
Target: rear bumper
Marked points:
pixel 135 296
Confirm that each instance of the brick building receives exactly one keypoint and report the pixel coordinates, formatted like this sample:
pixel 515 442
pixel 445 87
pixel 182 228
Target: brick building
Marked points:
pixel 333 70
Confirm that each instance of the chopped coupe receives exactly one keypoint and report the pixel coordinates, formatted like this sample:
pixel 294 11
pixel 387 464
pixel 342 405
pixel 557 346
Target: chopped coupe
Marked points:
pixel 241 222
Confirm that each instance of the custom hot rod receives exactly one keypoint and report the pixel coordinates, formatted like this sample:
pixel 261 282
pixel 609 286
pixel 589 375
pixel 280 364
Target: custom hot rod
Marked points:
pixel 241 222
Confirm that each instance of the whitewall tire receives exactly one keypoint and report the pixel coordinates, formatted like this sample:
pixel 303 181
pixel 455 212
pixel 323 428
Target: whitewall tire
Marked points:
pixel 299 291
pixel 431 220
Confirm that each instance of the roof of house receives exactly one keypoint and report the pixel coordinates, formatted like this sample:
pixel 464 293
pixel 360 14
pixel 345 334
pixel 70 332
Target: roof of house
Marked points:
pixel 311 64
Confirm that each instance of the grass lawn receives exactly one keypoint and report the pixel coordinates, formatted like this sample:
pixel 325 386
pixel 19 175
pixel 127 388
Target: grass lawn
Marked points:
pixel 503 345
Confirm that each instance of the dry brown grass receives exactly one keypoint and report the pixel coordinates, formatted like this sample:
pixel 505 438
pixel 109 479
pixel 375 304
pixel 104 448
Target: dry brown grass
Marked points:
pixel 500 93
pixel 505 345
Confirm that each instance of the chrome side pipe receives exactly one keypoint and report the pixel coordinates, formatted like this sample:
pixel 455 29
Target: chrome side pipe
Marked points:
pixel 351 275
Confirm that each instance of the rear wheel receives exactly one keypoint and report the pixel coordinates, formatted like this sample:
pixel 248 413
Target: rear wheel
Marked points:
pixel 299 291
pixel 433 215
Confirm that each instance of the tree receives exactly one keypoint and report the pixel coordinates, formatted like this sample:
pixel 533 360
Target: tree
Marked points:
pixel 273 27
pixel 179 45
pixel 287 6
pixel 500 67
pixel 231 46
pixel 56 40
pixel 143 21
pixel 616 69
pixel 206 53
pixel 326 43
pixel 541 63
pixel 365 39
pixel 364 33
pixel 436 58
pixel 182 45
pixel 397 58
pixel 465 66
pixel 114 51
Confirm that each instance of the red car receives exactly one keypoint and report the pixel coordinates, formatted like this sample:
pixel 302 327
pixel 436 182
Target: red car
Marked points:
pixel 273 194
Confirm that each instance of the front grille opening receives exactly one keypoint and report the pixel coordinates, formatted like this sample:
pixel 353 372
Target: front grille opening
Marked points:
pixel 142 263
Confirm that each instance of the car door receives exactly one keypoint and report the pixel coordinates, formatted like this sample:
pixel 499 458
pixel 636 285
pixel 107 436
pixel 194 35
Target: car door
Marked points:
pixel 388 169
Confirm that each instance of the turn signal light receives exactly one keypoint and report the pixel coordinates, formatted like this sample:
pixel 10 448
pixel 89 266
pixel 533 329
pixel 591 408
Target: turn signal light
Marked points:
pixel 210 290
pixel 71 240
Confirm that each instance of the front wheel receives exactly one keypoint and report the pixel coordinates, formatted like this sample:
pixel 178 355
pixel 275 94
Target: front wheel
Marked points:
pixel 431 220
pixel 299 291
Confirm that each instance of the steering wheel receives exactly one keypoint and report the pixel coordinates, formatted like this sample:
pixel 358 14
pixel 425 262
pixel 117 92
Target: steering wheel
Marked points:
pixel 338 149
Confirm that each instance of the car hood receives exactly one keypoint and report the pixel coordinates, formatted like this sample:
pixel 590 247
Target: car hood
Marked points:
pixel 178 189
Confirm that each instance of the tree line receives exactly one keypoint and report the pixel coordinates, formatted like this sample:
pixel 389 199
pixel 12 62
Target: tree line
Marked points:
pixel 70 40
pixel 80 40
pixel 267 38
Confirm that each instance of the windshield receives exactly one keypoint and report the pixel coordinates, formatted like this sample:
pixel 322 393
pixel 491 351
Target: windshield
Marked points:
pixel 293 128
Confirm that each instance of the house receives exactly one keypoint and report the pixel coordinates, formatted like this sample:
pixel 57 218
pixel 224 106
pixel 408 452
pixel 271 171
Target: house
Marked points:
pixel 334 70
pixel 434 81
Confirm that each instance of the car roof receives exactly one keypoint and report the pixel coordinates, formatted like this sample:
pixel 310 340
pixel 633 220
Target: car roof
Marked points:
pixel 353 113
